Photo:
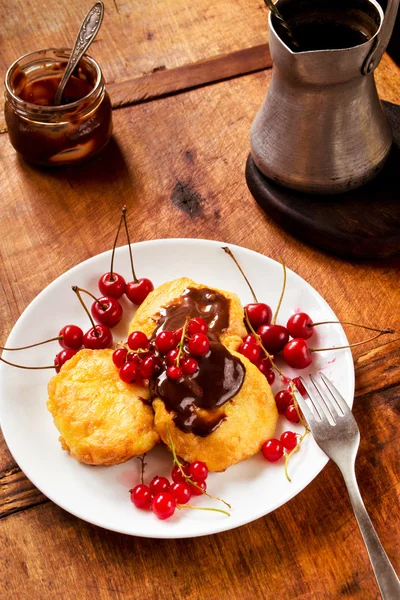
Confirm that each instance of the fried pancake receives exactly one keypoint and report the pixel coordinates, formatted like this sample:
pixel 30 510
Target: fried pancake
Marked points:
pixel 251 417
pixel 101 419
pixel 166 294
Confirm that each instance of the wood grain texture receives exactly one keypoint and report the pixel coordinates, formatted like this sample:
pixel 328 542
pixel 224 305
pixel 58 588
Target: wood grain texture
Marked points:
pixel 310 547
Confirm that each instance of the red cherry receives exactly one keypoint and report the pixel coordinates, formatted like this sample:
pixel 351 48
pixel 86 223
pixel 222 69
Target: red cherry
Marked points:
pixel 112 285
pixel 250 351
pixel 283 399
pixel 141 496
pixel 195 488
pixel 107 311
pixel 189 366
pixel 150 366
pixel 119 357
pixel 72 337
pixel 181 492
pixel 291 414
pixel 300 387
pixel 272 450
pixel 273 337
pixel 199 344
pixel 289 440
pixel 197 325
pixel 176 474
pixel 62 357
pixel 297 354
pixel 165 341
pixel 163 505
pixel 198 471
pixel 258 314
pixel 129 372
pixel 137 291
pixel 299 325
pixel 98 338
pixel 250 339
pixel 159 484
pixel 174 372
pixel 138 341
pixel 172 356
pixel 270 375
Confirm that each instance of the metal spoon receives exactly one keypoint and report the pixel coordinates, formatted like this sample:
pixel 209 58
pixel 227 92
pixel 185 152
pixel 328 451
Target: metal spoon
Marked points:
pixel 273 8
pixel 86 34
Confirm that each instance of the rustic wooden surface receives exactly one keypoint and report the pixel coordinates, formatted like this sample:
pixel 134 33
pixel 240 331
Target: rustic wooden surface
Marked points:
pixel 178 162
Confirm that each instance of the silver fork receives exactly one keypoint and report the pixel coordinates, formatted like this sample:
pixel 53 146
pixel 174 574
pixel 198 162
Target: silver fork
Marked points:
pixel 336 432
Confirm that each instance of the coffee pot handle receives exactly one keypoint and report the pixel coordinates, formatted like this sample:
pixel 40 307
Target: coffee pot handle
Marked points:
pixel 382 39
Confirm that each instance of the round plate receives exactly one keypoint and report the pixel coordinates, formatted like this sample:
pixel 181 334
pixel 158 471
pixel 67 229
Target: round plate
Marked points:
pixel 100 495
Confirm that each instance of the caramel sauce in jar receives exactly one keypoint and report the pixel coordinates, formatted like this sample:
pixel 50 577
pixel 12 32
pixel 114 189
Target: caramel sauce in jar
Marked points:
pixel 50 135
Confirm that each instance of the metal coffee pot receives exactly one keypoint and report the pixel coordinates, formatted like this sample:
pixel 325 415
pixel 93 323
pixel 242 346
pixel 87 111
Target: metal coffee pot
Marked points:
pixel 322 128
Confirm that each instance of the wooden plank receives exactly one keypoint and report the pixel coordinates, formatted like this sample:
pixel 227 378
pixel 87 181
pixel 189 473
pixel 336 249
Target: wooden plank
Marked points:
pixel 378 369
pixel 309 547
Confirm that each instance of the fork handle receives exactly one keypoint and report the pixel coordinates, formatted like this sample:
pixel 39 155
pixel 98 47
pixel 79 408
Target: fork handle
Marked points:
pixel 388 582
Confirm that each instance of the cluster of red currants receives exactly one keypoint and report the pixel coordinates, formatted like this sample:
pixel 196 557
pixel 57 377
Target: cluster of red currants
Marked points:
pixel 163 497
pixel 274 449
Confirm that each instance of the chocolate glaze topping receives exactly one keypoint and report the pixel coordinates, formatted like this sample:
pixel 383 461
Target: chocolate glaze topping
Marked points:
pixel 198 400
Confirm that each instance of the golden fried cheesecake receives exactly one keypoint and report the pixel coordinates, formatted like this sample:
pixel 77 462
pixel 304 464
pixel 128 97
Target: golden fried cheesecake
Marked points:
pixel 101 419
pixel 167 306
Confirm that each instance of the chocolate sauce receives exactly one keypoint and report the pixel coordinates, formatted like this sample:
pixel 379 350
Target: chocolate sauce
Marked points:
pixel 219 378
pixel 205 303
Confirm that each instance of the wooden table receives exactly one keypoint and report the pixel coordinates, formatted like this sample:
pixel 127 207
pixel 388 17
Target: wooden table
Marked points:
pixel 186 80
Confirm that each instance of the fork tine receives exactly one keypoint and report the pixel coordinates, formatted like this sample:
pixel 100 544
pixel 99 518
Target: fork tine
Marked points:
pixel 311 397
pixel 305 409
pixel 337 397
pixel 325 403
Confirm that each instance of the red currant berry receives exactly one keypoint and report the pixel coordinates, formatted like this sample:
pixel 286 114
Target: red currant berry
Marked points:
pixel 176 474
pixel 141 496
pixel 299 325
pixel 198 489
pixel 174 372
pixel 291 414
pixel 270 375
pixel 72 337
pixel 300 387
pixel 181 492
pixel 138 341
pixel 197 325
pixel 159 484
pixel 250 351
pixel 165 341
pixel 189 366
pixel 62 357
pixel 177 336
pixel 289 440
pixel 198 471
pixel 137 291
pixel 129 372
pixel 250 339
pixel 112 285
pixel 199 344
pixel 172 356
pixel 98 338
pixel 258 314
pixel 297 354
pixel 283 399
pixel 163 505
pixel 272 450
pixel 119 357
pixel 150 366
pixel 107 311
pixel 273 337
pixel 264 365
pixel 131 357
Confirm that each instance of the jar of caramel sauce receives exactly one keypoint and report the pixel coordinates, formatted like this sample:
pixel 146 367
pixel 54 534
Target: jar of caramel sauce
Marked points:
pixel 45 134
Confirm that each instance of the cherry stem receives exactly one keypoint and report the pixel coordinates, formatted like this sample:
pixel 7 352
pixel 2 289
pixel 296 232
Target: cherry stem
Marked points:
pixel 229 251
pixel 135 279
pixel 354 324
pixel 55 339
pixel 103 306
pixel 180 345
pixel 186 477
pixel 219 510
pixel 25 367
pixel 115 243
pixel 381 332
pixel 259 342
pixel 295 449
pixel 282 292
pixel 77 291
pixel 143 465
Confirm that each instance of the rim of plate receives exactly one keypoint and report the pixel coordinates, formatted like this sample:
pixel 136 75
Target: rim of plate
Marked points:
pixel 210 527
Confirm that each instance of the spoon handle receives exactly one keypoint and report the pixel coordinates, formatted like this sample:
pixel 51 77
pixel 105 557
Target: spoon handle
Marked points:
pixel 86 34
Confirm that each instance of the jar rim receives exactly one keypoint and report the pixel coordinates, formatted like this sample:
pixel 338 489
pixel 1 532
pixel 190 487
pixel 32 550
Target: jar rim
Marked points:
pixel 53 109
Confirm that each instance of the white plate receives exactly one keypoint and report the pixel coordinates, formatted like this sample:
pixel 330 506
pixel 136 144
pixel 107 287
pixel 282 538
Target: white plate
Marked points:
pixel 100 495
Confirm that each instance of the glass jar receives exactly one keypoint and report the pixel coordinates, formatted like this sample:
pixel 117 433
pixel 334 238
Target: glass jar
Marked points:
pixel 56 135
